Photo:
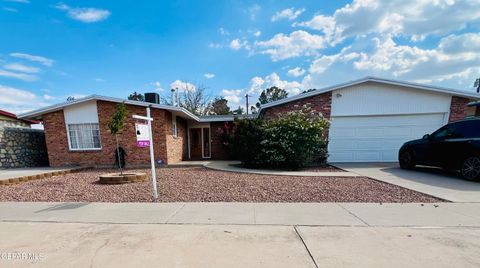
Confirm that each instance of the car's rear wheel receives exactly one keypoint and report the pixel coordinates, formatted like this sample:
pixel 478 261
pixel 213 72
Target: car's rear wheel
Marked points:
pixel 406 160
pixel 471 168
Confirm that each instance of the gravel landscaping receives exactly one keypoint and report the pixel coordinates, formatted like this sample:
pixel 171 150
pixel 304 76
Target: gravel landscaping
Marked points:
pixel 196 184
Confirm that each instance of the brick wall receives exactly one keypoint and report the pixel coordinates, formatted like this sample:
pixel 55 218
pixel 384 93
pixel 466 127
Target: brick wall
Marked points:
pixel 177 146
pixel 321 103
pixel 219 151
pixel 458 108
pixel 60 155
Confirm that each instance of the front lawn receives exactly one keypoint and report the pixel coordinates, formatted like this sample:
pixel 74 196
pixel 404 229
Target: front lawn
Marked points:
pixel 197 184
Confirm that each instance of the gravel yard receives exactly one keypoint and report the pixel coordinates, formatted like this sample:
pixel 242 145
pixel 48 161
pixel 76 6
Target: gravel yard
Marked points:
pixel 196 184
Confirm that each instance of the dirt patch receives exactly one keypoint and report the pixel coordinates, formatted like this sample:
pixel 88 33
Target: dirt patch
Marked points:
pixel 198 184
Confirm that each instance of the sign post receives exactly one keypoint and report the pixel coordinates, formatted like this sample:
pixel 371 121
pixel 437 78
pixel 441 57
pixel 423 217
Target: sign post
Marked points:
pixel 143 142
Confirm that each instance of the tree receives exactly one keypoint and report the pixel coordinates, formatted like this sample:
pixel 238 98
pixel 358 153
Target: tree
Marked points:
pixel 194 99
pixel 271 94
pixel 136 96
pixel 219 106
pixel 70 98
pixel 116 125
pixel 309 90
pixel 238 111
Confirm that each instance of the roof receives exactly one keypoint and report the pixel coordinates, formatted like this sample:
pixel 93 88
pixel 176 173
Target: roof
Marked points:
pixel 13 116
pixel 450 91
pixel 60 106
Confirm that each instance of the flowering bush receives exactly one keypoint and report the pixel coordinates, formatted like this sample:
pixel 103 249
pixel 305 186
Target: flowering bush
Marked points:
pixel 292 141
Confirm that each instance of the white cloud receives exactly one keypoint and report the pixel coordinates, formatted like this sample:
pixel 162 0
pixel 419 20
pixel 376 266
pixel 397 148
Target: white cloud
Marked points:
pixel 258 84
pixel 298 43
pixel 16 75
pixel 157 86
pixel 288 13
pixel 214 45
pixel 233 96
pixel 99 79
pixel 257 33
pixel 209 75
pixel 183 86
pixel 414 19
pixel 86 15
pixel 18 100
pixel 21 68
pixel 253 11
pixel 223 31
pixel 42 60
pixel 296 72
pixel 48 97
pixel 237 44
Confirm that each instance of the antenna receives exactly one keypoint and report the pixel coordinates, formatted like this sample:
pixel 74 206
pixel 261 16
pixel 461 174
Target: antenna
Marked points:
pixel 247 96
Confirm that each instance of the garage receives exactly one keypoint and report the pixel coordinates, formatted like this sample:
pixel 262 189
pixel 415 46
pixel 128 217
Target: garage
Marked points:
pixel 371 118
pixel 377 138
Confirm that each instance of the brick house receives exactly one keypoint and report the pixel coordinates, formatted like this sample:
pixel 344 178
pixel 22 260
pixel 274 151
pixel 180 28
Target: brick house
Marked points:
pixel 370 119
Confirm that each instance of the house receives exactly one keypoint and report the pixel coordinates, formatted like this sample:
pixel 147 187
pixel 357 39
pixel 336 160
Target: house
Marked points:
pixel 11 120
pixel 370 119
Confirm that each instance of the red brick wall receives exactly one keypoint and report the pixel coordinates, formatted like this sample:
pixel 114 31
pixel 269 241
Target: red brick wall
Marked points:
pixel 219 151
pixel 60 155
pixel 321 103
pixel 177 146
pixel 458 108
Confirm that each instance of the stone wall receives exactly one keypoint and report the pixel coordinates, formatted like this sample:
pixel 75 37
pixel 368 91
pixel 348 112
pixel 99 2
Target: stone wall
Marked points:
pixel 22 147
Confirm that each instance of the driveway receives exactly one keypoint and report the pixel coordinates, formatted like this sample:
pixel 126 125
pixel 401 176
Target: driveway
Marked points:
pixel 432 181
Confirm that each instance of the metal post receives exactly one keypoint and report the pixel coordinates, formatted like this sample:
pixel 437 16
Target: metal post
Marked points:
pixel 246 96
pixel 152 158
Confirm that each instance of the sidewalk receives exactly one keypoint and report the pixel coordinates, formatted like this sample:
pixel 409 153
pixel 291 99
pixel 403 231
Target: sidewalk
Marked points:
pixel 229 166
pixel 217 235
pixel 286 214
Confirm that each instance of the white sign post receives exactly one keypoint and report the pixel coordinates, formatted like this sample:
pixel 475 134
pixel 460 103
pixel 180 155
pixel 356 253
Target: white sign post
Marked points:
pixel 141 142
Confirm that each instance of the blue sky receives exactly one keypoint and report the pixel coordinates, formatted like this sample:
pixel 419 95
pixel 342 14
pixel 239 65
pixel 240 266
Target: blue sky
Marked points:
pixel 50 50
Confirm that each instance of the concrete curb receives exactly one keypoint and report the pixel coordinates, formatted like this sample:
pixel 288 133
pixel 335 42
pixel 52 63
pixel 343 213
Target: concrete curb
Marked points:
pixel 17 180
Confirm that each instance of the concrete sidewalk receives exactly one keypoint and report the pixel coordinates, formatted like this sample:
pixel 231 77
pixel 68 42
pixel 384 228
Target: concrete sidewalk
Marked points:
pixel 230 167
pixel 286 214
pixel 212 235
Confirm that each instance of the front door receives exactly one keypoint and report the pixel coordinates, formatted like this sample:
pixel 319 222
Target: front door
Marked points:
pixel 196 143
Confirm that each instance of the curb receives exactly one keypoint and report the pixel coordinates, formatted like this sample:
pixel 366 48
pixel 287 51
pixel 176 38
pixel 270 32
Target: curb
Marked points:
pixel 17 180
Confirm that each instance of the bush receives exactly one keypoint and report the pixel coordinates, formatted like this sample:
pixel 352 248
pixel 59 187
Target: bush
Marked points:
pixel 292 141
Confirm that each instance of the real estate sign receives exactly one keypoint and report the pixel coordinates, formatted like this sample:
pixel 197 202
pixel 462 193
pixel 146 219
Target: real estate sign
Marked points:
pixel 143 136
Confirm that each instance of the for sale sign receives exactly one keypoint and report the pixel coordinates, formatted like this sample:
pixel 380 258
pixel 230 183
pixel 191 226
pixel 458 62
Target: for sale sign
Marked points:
pixel 143 136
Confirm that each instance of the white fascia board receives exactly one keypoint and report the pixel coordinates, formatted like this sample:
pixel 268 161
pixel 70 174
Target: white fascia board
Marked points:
pixel 60 106
pixel 444 90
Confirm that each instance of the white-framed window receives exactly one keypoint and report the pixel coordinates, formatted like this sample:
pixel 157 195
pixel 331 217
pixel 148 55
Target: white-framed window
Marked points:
pixel 174 126
pixel 84 136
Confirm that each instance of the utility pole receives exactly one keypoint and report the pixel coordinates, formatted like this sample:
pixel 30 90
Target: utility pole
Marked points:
pixel 477 85
pixel 247 96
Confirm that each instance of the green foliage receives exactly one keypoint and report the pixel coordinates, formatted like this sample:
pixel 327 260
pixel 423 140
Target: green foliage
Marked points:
pixel 219 106
pixel 271 94
pixel 136 96
pixel 118 119
pixel 238 111
pixel 292 141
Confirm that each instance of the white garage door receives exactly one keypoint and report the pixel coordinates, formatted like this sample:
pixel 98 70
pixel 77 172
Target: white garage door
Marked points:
pixel 377 138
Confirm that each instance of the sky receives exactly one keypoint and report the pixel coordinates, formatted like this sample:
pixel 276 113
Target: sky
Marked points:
pixel 50 50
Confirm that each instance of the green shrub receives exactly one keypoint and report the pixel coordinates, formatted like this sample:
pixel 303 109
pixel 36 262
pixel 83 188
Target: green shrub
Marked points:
pixel 294 140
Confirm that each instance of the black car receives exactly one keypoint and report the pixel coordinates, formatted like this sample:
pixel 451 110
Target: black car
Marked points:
pixel 455 146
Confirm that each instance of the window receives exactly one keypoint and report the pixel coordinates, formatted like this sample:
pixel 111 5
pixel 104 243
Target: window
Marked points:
pixel 174 126
pixel 467 129
pixel 84 136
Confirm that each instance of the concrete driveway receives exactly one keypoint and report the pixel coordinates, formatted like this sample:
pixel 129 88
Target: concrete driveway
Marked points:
pixel 433 181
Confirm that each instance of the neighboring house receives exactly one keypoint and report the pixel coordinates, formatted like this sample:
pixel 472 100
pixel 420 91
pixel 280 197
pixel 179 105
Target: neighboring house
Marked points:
pixel 11 120
pixel 370 119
